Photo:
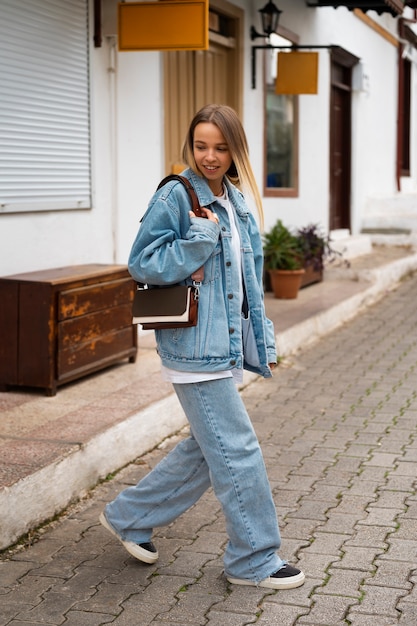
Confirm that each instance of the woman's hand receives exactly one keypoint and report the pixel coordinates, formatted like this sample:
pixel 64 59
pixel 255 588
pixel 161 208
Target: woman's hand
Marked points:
pixel 210 215
pixel 272 366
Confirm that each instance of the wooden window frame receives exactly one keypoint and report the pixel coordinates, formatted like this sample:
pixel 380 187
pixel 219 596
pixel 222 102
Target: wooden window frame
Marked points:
pixel 282 192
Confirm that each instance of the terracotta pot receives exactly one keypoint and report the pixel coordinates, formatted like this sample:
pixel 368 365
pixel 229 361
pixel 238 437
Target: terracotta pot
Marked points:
pixel 286 283
pixel 311 276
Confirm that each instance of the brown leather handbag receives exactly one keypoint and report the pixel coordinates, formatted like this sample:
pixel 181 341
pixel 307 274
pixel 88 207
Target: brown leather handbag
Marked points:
pixel 158 308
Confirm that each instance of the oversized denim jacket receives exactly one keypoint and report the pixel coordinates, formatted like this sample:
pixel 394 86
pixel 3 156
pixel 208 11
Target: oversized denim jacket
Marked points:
pixel 170 246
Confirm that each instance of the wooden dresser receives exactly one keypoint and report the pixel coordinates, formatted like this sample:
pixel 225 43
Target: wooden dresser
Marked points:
pixel 58 325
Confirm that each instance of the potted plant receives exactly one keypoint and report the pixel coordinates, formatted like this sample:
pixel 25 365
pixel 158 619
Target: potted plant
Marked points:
pixel 284 261
pixel 316 248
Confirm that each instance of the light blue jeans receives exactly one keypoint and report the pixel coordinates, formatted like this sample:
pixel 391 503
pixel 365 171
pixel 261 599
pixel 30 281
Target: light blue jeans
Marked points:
pixel 222 451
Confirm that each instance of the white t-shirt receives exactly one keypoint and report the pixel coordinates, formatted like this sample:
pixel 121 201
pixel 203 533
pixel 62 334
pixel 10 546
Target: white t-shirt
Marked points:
pixel 176 376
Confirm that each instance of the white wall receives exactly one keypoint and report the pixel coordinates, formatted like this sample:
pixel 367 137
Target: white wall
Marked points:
pixel 139 141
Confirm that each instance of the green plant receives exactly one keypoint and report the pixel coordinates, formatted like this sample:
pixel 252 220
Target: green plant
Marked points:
pixel 282 249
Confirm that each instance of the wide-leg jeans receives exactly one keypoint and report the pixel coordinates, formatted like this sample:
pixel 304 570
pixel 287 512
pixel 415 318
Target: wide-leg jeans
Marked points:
pixel 222 451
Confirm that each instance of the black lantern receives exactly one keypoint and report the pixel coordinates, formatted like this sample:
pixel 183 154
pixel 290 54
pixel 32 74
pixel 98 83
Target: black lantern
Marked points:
pixel 270 18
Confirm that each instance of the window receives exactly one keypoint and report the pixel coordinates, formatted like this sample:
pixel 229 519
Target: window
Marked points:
pixel 44 106
pixel 281 131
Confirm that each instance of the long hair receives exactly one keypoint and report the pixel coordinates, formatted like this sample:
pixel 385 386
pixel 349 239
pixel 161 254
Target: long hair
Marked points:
pixel 240 172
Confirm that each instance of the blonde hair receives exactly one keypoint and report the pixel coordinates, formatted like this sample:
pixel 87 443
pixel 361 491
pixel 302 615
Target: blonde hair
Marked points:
pixel 240 172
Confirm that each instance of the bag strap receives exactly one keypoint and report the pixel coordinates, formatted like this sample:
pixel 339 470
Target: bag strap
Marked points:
pixel 190 189
pixel 198 275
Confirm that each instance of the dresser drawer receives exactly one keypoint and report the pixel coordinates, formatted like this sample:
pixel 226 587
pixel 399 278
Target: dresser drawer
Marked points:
pixel 94 354
pixel 88 328
pixel 81 301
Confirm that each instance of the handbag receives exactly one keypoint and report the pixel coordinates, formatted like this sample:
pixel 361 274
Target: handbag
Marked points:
pixel 166 307
pixel 159 308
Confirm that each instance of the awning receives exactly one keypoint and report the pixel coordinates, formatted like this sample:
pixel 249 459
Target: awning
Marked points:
pixel 395 7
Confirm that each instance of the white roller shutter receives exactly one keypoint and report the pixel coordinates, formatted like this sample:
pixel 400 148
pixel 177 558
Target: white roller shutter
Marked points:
pixel 44 105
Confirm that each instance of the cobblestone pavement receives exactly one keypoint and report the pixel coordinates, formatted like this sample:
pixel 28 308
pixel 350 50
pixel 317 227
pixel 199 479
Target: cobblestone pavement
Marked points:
pixel 338 427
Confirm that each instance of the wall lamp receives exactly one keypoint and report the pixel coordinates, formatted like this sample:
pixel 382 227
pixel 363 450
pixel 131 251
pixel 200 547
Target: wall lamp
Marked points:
pixel 270 18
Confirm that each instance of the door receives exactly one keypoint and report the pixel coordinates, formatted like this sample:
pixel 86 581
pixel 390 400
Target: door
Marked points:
pixel 340 138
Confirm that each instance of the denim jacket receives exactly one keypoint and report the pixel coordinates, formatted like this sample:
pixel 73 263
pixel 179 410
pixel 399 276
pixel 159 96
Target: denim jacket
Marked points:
pixel 170 246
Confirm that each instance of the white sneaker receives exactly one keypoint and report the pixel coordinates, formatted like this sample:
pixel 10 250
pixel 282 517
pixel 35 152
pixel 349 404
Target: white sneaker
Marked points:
pixel 287 577
pixel 145 552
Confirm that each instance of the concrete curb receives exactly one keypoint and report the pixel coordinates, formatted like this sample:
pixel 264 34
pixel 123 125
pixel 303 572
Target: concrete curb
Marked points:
pixel 38 497
pixel 28 503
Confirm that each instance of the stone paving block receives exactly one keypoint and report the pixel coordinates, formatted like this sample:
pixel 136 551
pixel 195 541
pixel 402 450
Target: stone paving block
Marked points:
pixel 147 613
pixel 8 611
pixel 379 601
pixel 354 505
pixel 408 616
pixel 162 591
pixel 348 464
pixel 282 615
pixel 359 487
pixel 108 599
pixel 301 529
pixel 327 611
pixel 361 559
pixel 325 492
pixel 394 574
pixel 322 453
pixel 309 510
pixel 350 581
pixel 191 608
pixel 381 517
pixel 325 543
pixel 410 456
pixel 316 565
pixel 286 498
pixel 216 618
pixel 411 512
pixel 374 474
pixel 112 557
pixel 207 542
pixel 336 477
pixel 370 537
pixel 186 564
pixel 383 459
pixel 41 551
pixel 295 483
pixel 291 548
pixel 338 523
pixel 77 618
pixel 358 450
pixel 369 620
pixel 406 528
pixel 29 590
pixel 405 468
pixel 401 550
pixel 12 571
pixel 390 500
pixel 52 609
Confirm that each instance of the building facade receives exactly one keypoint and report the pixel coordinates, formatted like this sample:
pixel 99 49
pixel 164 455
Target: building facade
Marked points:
pixel 87 131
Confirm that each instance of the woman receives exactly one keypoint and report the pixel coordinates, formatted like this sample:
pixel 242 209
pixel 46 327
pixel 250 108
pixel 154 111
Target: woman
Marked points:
pixel 205 362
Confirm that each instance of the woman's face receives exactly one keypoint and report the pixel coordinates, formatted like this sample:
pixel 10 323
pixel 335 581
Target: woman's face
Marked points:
pixel 211 154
